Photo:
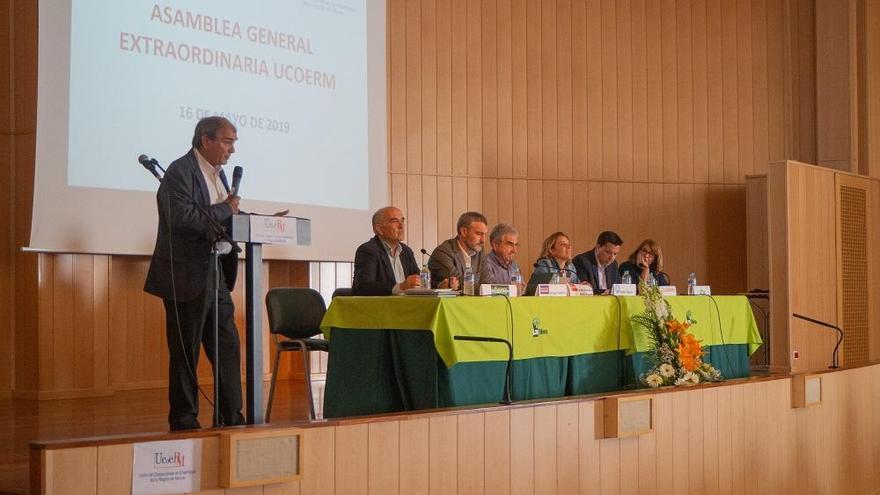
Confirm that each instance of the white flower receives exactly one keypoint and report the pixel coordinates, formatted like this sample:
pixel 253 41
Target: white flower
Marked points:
pixel 709 372
pixel 666 370
pixel 661 311
pixel 653 380
pixel 688 379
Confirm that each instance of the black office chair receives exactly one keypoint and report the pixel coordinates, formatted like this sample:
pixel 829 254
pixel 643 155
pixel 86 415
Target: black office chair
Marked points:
pixel 342 291
pixel 295 315
pixel 664 274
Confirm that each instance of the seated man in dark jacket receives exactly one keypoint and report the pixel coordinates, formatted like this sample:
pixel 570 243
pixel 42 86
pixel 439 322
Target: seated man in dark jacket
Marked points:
pixel 384 265
pixel 598 266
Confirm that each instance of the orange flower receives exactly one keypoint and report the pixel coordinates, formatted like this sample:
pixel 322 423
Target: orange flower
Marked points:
pixel 688 363
pixel 676 326
pixel 689 352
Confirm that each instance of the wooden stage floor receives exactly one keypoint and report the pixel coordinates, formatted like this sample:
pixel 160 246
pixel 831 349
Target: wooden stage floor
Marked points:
pixel 138 411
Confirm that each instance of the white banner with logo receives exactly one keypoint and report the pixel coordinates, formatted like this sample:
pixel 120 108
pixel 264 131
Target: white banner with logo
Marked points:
pixel 172 466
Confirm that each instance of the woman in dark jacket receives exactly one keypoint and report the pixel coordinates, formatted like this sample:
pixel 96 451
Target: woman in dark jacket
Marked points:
pixel 646 261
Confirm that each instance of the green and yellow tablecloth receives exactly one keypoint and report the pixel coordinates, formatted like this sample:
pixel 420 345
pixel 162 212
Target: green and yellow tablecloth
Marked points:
pixel 398 353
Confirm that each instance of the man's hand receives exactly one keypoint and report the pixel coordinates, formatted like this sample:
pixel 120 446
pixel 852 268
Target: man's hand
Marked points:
pixel 232 201
pixel 449 283
pixel 411 282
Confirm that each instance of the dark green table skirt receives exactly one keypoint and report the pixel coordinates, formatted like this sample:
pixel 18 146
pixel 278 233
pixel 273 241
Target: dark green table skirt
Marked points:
pixel 382 371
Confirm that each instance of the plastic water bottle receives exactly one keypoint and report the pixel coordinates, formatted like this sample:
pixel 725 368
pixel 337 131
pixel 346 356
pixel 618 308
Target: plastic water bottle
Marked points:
pixel 425 276
pixel 516 276
pixel 652 280
pixel 626 278
pixel 468 281
pixel 692 282
pixel 555 279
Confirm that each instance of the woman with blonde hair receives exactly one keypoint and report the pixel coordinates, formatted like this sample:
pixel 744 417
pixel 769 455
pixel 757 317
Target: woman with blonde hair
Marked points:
pixel 645 263
pixel 556 257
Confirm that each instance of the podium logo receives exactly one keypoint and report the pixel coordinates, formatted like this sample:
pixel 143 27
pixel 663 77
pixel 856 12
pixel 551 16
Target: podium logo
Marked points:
pixel 277 225
pixel 172 460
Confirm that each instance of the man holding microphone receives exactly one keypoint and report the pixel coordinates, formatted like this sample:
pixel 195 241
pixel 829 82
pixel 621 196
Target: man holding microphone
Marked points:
pixel 182 273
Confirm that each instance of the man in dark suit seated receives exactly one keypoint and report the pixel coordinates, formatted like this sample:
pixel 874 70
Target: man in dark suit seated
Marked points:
pixel 384 265
pixel 182 273
pixel 598 266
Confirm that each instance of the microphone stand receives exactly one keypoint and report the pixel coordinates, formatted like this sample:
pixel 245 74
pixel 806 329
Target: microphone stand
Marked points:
pixel 505 399
pixel 834 360
pixel 219 233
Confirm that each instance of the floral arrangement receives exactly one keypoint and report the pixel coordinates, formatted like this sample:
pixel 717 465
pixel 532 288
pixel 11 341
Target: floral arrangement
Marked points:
pixel 675 354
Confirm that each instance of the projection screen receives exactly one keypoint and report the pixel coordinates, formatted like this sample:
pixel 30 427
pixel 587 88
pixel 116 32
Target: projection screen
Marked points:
pixel 302 80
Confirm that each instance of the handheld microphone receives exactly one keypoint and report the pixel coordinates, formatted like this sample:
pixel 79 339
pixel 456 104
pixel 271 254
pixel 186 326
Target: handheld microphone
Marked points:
pixel 150 164
pixel 424 252
pixel 236 180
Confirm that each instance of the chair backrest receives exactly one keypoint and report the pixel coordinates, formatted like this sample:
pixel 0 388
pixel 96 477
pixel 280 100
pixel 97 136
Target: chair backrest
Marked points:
pixel 343 291
pixel 295 313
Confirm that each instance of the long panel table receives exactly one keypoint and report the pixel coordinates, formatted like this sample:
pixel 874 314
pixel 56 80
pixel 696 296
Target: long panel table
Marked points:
pixel 397 353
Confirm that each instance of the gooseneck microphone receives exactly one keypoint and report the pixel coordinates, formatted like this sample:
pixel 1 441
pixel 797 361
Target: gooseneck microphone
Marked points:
pixel 562 268
pixel 236 180
pixel 150 165
pixel 505 395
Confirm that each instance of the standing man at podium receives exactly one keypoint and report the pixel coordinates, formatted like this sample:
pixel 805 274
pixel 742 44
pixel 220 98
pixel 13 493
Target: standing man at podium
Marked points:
pixel 182 274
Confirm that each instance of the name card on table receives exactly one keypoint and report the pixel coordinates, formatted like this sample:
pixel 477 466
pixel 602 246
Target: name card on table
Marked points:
pixel 668 290
pixel 581 290
pixel 498 289
pixel 552 290
pixel 702 290
pixel 623 289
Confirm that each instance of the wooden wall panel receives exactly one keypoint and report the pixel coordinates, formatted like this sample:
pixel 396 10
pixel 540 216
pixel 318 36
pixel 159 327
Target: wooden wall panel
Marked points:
pixel 7 254
pixel 874 271
pixel 384 458
pixel 415 457
pixel 682 93
pixel 812 247
pixel 871 165
pixel 835 107
pixel 351 451
pixel 757 231
pixel 496 430
pixel 8 59
pixel 470 458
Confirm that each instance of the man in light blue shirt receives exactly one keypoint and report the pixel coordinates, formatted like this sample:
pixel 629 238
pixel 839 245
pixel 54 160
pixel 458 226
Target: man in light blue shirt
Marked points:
pixel 499 267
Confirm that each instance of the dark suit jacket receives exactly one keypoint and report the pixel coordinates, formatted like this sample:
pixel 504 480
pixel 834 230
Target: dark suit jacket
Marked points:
pixel 373 275
pixel 635 272
pixel 588 270
pixel 184 235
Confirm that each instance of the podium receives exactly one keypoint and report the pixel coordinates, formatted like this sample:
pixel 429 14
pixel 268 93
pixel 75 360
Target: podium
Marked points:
pixel 254 231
